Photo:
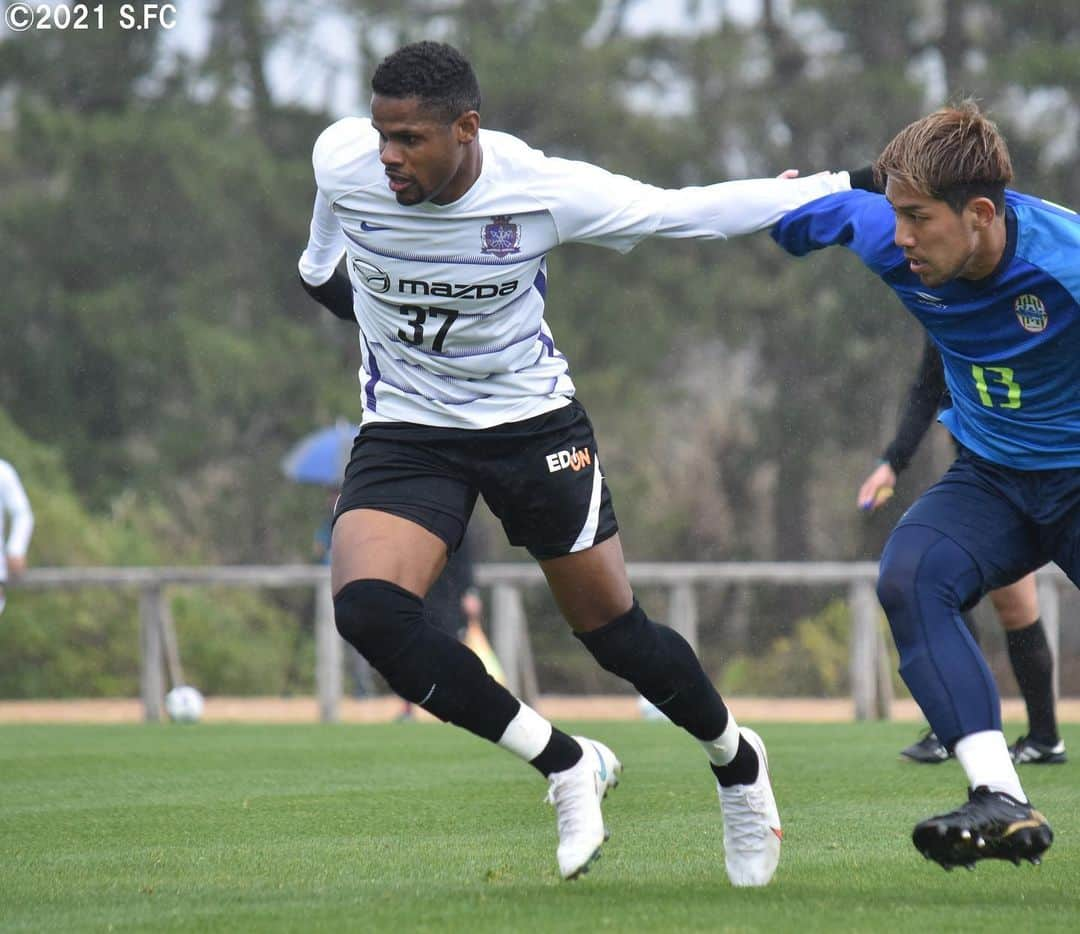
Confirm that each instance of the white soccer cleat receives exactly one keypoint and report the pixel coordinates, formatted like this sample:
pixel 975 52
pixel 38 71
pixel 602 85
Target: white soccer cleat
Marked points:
pixel 752 831
pixel 576 794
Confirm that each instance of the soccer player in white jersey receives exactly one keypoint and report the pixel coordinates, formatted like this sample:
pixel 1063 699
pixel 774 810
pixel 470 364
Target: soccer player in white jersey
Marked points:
pixel 13 546
pixel 445 228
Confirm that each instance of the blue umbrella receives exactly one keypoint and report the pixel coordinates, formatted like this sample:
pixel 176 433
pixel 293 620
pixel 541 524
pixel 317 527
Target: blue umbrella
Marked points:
pixel 321 456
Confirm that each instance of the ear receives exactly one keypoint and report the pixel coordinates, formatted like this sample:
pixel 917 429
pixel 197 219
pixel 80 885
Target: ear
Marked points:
pixel 982 211
pixel 467 126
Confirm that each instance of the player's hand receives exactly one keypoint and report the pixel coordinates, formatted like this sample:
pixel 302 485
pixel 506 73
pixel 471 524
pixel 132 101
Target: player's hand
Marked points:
pixel 471 605
pixel 877 488
pixel 16 566
pixel 789 173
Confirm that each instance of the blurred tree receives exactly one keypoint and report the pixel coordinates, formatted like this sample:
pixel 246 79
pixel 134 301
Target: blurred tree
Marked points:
pixel 153 206
pixel 87 70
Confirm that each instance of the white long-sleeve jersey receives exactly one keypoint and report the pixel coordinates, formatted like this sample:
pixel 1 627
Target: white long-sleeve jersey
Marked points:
pixel 450 298
pixel 13 503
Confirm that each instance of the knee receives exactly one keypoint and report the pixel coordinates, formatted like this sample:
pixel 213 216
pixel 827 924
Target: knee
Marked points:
pixel 898 571
pixel 923 574
pixel 378 618
pixel 632 646
pixel 614 644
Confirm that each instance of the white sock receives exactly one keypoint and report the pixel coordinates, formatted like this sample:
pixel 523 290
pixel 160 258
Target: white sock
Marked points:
pixel 527 734
pixel 985 759
pixel 722 749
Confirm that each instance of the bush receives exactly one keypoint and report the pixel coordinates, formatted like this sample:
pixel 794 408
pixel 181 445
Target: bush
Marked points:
pixel 85 642
pixel 812 662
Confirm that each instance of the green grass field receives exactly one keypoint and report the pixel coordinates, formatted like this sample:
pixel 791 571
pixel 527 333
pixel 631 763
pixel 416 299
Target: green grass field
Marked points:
pixel 413 827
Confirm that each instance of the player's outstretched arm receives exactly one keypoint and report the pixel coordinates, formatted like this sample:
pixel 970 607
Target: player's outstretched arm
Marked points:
pixel 860 219
pixel 589 204
pixel 731 209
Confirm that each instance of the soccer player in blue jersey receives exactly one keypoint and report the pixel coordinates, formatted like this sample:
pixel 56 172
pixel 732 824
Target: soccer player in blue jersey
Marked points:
pixel 1016 606
pixel 994 277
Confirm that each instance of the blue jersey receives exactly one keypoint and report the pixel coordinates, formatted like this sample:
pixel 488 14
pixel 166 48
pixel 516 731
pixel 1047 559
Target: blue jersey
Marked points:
pixel 1010 342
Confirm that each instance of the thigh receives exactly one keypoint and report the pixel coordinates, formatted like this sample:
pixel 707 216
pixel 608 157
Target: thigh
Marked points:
pixel 403 507
pixel 1017 605
pixel 542 478
pixel 973 507
pixel 590 587
pixel 371 545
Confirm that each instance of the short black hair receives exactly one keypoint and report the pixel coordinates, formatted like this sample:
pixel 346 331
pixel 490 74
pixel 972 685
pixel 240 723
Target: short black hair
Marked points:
pixel 436 73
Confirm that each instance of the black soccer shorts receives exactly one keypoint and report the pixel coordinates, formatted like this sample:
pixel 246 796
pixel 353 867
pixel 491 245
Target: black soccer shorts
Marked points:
pixel 540 476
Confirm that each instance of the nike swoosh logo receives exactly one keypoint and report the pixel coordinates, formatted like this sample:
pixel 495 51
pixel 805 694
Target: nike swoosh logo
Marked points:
pixel 603 767
pixel 364 225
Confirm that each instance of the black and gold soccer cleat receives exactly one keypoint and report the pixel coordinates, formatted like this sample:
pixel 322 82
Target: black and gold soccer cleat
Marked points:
pixel 991 825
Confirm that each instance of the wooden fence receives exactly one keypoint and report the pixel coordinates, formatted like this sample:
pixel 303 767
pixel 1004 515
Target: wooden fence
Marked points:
pixel 871 677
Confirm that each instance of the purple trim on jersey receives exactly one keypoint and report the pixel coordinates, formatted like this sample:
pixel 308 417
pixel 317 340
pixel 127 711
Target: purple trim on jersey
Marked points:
pixel 540 283
pixel 373 369
pixel 443 399
pixel 550 345
pixel 511 260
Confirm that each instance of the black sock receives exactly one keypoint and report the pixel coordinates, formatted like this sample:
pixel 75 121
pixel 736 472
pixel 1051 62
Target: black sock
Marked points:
pixel 1033 665
pixel 561 752
pixel 663 668
pixel 742 770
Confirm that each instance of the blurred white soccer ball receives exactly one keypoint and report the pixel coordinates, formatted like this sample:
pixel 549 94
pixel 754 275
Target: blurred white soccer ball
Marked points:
pixel 184 704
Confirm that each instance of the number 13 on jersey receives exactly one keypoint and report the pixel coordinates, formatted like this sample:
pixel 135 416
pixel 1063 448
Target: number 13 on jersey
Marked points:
pixel 1000 380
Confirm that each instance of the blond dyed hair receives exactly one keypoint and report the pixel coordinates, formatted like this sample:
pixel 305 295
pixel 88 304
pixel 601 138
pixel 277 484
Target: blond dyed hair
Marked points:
pixel 954 154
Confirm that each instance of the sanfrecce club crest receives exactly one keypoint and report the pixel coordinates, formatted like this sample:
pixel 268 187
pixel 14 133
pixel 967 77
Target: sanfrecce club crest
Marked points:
pixel 501 238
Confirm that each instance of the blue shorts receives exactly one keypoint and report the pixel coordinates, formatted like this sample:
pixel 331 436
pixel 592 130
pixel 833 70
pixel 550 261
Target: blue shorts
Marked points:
pixel 1009 521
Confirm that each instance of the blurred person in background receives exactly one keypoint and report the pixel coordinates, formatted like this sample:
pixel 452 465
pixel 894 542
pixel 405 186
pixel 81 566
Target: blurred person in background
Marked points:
pixel 16 527
pixel 1016 605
